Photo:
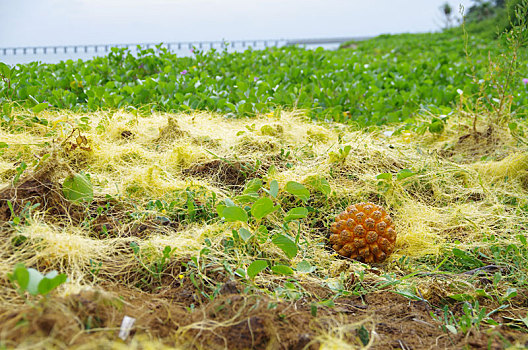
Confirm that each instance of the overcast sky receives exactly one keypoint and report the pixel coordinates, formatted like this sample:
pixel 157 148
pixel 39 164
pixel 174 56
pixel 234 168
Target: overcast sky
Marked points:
pixel 59 22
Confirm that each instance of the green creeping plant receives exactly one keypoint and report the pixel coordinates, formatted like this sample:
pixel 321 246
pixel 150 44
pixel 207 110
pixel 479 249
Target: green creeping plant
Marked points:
pixel 383 80
pixel 34 282
pixel 253 206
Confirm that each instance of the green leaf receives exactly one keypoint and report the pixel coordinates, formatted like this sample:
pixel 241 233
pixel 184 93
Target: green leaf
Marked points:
pixel 78 188
pixel 510 293
pixel 298 190
pixel 404 173
pixel 40 107
pixel 47 284
pixel 451 328
pixel 34 279
pixel 274 188
pixel 295 214
pixel 246 198
pixel 20 275
pixel 436 127
pixel 482 293
pixel 363 335
pixel 263 207
pixel 305 267
pixel 467 258
pixel 282 270
pixel 408 294
pixel 286 245
pixel 229 203
pixel 256 267
pixel 253 186
pixel 319 183
pixel 521 237
pixel 313 309
pixel 4 70
pixel 220 209
pixel 327 303
pixel 384 176
pixel 232 214
pixel 262 234
pixel 244 234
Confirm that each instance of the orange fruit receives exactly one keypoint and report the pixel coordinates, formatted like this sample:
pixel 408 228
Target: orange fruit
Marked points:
pixel 363 232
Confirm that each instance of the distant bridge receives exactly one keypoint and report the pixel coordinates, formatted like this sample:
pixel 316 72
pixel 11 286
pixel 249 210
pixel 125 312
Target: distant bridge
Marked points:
pixel 172 46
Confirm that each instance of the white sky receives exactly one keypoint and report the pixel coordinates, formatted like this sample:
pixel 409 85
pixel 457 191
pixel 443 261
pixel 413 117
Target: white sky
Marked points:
pixel 61 22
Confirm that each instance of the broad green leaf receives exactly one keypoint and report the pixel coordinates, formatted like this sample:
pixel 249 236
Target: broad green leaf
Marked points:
pixel 20 275
pixel 253 186
pixel 51 274
pixel 47 284
pixel 298 190
pixel 295 214
pixel 34 279
pixel 262 234
pixel 4 69
pixel 274 188
pixel 384 176
pixel 255 267
pixel 305 267
pixel 467 258
pixel 282 270
pixel 220 209
pixel 436 127
pixel 40 107
pixel 246 198
pixel 232 214
pixel 263 207
pixel 229 203
pixel 482 293
pixel 286 245
pixel 364 335
pixel 404 173
pixel 319 183
pixel 510 293
pixel 78 188
pixel 244 234
pixel 451 328
pixel 327 303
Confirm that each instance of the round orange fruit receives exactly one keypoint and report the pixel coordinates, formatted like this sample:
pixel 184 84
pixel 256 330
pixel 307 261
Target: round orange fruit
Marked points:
pixel 363 232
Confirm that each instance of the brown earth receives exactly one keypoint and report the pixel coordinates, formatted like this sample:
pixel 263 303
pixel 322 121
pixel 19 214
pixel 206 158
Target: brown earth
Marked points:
pixel 178 315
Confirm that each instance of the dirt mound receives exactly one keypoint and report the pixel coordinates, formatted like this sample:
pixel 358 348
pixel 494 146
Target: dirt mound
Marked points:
pixel 474 146
pixel 225 173
pixel 38 191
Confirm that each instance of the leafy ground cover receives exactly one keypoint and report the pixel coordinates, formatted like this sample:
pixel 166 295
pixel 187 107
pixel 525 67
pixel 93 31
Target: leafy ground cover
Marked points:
pixel 212 233
pixel 389 79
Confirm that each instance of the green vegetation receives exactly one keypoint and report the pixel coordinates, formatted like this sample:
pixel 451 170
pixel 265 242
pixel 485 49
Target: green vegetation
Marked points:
pixel 388 79
pixel 211 229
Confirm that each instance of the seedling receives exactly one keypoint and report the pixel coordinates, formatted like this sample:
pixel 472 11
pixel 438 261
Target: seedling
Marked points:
pixel 34 282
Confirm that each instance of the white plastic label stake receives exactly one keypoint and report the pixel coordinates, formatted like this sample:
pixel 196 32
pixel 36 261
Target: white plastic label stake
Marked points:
pixel 126 327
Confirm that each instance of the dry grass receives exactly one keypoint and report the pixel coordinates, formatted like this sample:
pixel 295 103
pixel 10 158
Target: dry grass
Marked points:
pixel 447 203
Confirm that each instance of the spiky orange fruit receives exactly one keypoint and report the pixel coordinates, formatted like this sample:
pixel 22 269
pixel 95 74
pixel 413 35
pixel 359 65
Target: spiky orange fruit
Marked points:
pixel 364 232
